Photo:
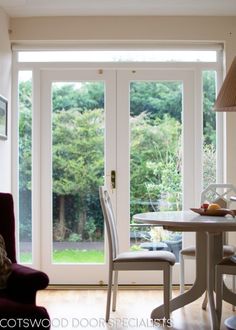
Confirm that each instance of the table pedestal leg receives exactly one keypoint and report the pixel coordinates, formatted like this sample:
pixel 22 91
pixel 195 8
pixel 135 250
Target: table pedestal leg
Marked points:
pixel 214 255
pixel 199 285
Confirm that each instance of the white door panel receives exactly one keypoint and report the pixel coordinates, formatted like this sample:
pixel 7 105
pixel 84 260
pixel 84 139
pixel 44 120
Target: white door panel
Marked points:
pixel 116 157
pixel 124 80
pixel 66 271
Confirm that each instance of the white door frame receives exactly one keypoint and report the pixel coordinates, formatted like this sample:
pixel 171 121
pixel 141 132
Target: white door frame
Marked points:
pixel 124 77
pixel 38 236
pixel 71 273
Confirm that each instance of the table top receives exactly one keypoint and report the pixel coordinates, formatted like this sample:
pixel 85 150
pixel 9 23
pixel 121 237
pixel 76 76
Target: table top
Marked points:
pixel 187 221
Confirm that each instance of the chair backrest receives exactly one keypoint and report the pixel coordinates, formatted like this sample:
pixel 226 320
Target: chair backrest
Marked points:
pixel 7 224
pixel 110 222
pixel 219 193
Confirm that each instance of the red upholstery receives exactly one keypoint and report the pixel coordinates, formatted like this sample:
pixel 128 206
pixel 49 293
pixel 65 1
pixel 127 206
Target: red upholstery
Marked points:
pixel 7 224
pixel 18 300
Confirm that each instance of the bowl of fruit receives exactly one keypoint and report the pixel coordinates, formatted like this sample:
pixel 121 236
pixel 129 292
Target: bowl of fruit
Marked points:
pixel 213 209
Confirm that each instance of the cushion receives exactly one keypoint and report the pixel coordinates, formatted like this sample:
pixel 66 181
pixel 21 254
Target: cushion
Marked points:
pixel 146 256
pixel 228 250
pixel 5 264
pixel 189 251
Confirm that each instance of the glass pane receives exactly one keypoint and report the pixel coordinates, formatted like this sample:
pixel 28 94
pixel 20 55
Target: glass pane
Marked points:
pixel 25 166
pixel 78 171
pixel 209 128
pixel 156 161
pixel 119 56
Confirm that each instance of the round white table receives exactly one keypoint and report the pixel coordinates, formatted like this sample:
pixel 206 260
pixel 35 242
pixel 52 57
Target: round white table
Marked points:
pixel 209 251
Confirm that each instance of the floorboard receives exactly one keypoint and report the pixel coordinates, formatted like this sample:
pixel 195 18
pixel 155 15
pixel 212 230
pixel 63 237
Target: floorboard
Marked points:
pixel 85 309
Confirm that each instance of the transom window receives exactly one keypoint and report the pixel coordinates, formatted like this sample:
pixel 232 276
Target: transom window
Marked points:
pixel 119 56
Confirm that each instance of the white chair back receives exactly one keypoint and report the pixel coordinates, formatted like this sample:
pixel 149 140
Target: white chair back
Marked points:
pixel 219 193
pixel 110 222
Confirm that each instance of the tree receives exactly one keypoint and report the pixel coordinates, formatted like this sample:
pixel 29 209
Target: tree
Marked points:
pixel 209 117
pixel 25 159
pixel 81 95
pixel 156 99
pixel 25 134
pixel 78 158
pixel 155 159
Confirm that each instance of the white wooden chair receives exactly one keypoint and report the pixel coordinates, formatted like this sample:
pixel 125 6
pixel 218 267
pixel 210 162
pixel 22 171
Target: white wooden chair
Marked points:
pixel 226 266
pixel 132 260
pixel 220 194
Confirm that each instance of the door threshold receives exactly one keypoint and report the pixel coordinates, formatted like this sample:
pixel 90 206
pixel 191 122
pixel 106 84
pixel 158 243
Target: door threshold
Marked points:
pixel 104 287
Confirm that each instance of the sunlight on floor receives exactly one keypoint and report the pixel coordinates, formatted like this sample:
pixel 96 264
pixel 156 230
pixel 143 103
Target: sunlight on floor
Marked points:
pixel 85 309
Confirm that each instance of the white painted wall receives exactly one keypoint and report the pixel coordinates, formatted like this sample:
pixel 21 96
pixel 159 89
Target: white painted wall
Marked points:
pixel 5 90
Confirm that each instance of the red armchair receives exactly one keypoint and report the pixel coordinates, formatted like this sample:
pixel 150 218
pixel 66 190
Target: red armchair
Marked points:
pixel 18 299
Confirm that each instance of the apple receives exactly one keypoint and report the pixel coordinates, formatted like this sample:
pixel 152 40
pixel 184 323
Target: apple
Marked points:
pixel 205 206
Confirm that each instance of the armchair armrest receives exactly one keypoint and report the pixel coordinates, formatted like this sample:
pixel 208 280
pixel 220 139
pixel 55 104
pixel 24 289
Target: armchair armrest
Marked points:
pixel 24 282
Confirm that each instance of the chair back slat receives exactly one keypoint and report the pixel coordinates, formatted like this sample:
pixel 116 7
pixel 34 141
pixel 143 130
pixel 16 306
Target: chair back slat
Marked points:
pixel 110 222
pixel 219 193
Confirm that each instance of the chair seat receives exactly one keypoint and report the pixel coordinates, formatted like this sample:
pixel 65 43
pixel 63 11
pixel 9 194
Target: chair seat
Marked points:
pixel 154 246
pixel 230 323
pixel 228 261
pixel 148 256
pixel 190 251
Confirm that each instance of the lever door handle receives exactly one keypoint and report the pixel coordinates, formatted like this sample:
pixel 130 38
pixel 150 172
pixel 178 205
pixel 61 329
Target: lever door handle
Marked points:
pixel 113 179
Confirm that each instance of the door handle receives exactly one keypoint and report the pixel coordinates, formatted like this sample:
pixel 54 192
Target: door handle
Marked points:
pixel 113 179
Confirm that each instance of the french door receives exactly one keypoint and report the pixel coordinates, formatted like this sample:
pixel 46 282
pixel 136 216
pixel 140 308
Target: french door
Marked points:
pixel 78 150
pixel 145 138
pixel 83 146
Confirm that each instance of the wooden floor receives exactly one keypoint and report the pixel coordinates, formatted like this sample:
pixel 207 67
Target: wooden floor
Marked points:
pixel 85 309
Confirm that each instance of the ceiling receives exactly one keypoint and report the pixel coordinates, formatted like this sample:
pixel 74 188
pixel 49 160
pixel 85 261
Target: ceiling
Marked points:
pixel 28 8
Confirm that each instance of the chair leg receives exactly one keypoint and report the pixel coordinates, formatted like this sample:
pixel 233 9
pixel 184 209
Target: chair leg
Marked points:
pixel 219 292
pixel 181 264
pixel 115 287
pixel 233 288
pixel 204 303
pixel 167 288
pixel 109 287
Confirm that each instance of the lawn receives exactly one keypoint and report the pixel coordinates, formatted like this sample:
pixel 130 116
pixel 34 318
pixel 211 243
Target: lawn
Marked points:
pixel 70 256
